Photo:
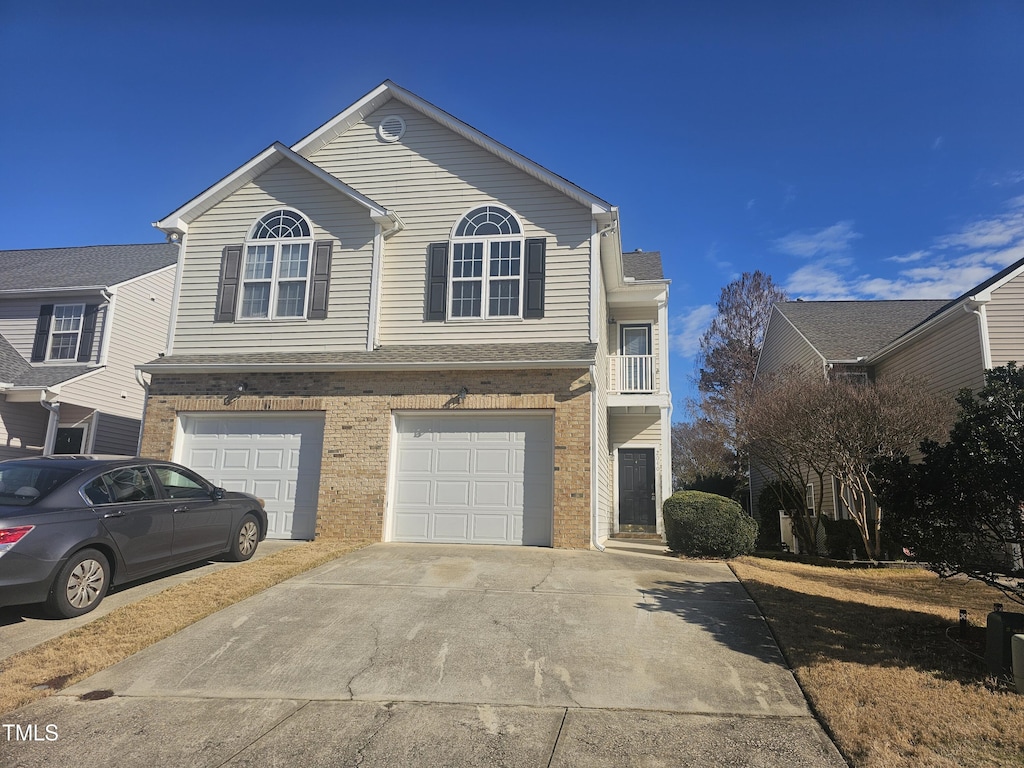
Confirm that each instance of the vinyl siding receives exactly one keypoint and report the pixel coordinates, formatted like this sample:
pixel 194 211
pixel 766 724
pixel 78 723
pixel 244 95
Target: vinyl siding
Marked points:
pixel 18 320
pixel 333 216
pixel 948 357
pixel 141 312
pixel 784 348
pixel 22 429
pixel 635 428
pixel 605 505
pixel 1005 314
pixel 431 177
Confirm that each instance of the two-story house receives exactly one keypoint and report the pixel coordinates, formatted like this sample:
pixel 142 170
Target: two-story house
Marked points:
pixel 947 344
pixel 399 329
pixel 74 322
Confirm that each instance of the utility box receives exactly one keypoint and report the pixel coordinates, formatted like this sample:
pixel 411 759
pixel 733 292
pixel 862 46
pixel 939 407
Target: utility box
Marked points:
pixel 1000 629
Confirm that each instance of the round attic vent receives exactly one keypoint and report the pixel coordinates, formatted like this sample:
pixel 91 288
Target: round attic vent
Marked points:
pixel 391 128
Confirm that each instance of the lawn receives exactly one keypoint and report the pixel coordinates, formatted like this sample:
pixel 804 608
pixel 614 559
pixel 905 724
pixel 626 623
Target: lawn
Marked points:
pixel 872 650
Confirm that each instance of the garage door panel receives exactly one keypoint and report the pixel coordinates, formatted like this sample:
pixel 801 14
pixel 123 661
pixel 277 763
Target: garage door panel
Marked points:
pixel 473 478
pixel 409 493
pixel 454 460
pixel 495 460
pixel 275 457
pixel 452 527
pixel 491 528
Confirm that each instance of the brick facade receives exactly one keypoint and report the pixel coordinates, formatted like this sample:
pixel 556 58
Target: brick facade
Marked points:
pixel 357 408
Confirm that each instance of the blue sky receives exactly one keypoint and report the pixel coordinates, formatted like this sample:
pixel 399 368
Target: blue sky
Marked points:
pixel 851 150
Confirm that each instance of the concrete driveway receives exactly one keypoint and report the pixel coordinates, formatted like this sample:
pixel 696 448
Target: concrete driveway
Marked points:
pixel 420 655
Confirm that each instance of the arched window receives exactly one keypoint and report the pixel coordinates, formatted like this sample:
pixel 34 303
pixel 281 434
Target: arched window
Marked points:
pixel 486 274
pixel 275 274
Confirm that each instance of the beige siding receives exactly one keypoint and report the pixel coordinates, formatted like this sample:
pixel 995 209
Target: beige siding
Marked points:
pixel 604 467
pixel 18 320
pixel 333 217
pixel 784 348
pixel 431 177
pixel 138 334
pixel 1005 315
pixel 948 357
pixel 22 429
pixel 635 428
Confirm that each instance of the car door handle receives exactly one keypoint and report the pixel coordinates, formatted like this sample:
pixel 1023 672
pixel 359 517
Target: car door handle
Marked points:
pixel 119 513
pixel 181 509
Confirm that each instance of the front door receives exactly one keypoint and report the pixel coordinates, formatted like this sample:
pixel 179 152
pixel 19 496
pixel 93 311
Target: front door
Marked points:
pixel 637 502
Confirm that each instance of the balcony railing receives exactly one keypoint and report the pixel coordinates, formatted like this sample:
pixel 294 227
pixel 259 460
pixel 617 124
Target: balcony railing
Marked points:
pixel 631 374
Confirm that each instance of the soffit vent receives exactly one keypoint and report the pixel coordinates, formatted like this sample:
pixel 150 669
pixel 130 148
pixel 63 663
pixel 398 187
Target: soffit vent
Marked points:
pixel 391 128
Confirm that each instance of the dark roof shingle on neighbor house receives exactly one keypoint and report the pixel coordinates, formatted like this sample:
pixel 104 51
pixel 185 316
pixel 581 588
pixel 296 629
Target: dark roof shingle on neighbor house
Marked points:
pixel 642 265
pixel 85 266
pixel 847 330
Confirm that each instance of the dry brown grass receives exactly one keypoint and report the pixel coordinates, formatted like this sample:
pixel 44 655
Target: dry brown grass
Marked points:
pixel 871 651
pixel 82 652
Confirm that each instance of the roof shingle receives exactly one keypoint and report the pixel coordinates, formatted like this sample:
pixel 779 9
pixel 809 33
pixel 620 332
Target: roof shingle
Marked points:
pixel 42 268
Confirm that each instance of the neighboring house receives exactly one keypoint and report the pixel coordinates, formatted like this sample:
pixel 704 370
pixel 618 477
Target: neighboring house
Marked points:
pixel 400 329
pixel 74 322
pixel 948 344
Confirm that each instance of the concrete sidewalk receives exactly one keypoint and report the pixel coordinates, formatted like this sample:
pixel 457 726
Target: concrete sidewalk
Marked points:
pixel 411 655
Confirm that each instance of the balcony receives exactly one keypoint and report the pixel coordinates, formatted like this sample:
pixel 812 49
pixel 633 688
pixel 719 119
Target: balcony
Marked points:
pixel 632 374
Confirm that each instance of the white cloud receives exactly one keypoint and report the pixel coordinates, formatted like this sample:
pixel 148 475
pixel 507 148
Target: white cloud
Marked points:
pixel 819 282
pixel 954 263
pixel 937 144
pixel 828 241
pixel 687 328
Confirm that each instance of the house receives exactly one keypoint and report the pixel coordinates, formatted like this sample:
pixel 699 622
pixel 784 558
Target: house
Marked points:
pixel 399 329
pixel 74 322
pixel 948 344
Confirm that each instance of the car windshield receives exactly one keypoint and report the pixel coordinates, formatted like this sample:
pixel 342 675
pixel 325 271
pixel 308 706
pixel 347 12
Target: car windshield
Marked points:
pixel 21 485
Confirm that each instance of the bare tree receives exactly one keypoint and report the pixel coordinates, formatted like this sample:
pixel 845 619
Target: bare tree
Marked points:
pixel 805 428
pixel 697 453
pixel 729 351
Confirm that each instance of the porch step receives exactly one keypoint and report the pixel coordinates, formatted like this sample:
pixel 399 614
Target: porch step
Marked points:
pixel 636 536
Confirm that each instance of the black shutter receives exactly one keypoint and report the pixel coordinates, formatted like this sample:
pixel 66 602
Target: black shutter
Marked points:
pixel 227 291
pixel 535 255
pixel 42 333
pixel 321 279
pixel 437 282
pixel 88 332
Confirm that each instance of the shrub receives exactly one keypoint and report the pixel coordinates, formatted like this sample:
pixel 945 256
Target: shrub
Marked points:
pixel 708 525
pixel 843 537
pixel 774 496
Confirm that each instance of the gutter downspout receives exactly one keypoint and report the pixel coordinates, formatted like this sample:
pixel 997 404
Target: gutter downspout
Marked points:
pixel 145 406
pixel 178 272
pixel 52 422
pixel 595 266
pixel 979 312
pixel 110 294
pixel 594 424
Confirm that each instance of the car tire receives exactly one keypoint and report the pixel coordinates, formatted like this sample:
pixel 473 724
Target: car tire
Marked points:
pixel 80 584
pixel 246 538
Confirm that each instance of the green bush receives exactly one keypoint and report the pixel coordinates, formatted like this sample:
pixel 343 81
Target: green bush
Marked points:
pixel 843 537
pixel 707 525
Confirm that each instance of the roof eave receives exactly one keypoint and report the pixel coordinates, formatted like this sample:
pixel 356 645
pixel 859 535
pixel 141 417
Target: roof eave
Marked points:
pixel 441 365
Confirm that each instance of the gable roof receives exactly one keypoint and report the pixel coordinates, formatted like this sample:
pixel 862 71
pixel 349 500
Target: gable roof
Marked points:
pixel 847 330
pixel 387 90
pixel 12 364
pixel 178 220
pixel 83 267
pixel 642 265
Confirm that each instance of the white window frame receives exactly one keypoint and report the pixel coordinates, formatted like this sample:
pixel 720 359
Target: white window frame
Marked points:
pixel 486 279
pixel 276 279
pixel 54 332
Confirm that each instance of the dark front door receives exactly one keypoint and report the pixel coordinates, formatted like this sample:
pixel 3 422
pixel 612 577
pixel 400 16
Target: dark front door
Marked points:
pixel 637 505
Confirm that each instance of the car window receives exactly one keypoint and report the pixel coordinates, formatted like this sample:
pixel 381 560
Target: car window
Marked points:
pixel 22 485
pixel 180 485
pixel 121 485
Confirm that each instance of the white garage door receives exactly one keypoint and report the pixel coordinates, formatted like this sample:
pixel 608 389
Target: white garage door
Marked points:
pixel 274 457
pixel 473 478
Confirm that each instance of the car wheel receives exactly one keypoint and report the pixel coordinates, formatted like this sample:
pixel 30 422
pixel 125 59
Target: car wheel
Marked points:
pixel 246 538
pixel 80 585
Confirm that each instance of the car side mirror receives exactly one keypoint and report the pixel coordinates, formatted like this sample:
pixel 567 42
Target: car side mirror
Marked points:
pixel 217 494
